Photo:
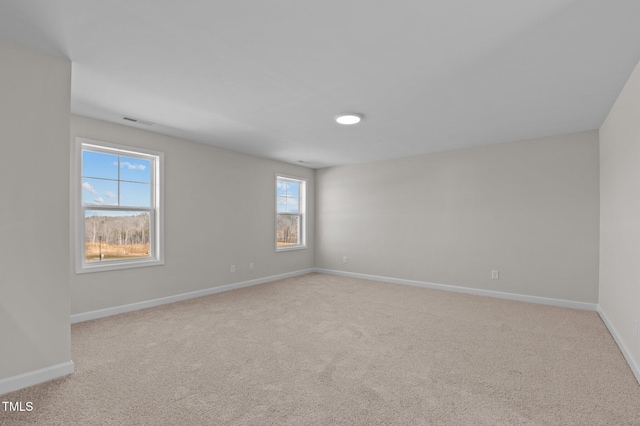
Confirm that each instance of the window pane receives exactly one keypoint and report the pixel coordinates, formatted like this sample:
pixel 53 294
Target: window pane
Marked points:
pixel 281 204
pixel 293 205
pixel 99 192
pixel 281 188
pixel 99 165
pixel 293 189
pixel 135 194
pixel 135 169
pixel 287 230
pixel 116 235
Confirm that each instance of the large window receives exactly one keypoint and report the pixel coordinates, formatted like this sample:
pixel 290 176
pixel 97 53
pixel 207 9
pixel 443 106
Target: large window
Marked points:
pixel 119 214
pixel 290 213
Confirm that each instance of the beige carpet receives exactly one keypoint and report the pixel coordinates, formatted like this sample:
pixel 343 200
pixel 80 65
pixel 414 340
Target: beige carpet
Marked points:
pixel 322 350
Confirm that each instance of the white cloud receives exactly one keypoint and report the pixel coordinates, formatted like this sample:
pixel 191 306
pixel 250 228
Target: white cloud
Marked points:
pixel 99 200
pixel 110 194
pixel 87 187
pixel 132 166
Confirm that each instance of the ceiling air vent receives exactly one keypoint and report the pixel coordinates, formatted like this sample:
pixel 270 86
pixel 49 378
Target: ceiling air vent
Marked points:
pixel 135 120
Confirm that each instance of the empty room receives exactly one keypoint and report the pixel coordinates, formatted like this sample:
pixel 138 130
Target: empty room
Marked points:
pixel 336 212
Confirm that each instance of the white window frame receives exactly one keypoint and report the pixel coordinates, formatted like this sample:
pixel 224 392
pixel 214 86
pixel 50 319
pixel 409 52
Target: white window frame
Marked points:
pixel 156 219
pixel 303 216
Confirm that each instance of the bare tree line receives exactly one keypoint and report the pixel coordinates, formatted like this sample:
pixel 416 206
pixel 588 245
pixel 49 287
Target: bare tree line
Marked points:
pixel 287 229
pixel 121 230
pixel 125 230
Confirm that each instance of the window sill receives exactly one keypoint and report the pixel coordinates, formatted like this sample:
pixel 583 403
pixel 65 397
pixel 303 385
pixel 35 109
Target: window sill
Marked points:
pixel 117 265
pixel 290 248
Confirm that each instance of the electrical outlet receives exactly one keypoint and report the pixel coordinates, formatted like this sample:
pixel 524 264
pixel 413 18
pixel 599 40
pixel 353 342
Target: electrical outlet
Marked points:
pixel 251 266
pixel 233 269
pixel 495 274
pixel 345 259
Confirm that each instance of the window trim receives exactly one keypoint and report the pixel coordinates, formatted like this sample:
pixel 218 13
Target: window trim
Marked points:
pixel 302 214
pixel 156 220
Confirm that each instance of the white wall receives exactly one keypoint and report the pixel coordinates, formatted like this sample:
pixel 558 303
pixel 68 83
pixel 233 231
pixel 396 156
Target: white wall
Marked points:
pixel 528 209
pixel 219 210
pixel 620 218
pixel 34 211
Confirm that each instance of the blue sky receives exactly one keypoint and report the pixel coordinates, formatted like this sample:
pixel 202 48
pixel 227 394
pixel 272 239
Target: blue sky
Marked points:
pixel 288 196
pixel 101 185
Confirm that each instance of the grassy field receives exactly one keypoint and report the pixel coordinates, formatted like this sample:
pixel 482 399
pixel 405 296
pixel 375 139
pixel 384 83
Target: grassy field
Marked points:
pixel 282 244
pixel 115 251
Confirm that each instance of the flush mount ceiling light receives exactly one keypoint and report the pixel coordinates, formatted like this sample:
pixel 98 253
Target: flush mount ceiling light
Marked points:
pixel 350 118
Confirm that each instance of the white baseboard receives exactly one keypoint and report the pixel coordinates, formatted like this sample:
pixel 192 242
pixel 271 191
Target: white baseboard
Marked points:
pixel 467 290
pixel 101 313
pixel 625 352
pixel 31 378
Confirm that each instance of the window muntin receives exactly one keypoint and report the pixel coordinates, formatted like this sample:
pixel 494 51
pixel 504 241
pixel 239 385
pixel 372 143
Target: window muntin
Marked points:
pixel 290 213
pixel 119 217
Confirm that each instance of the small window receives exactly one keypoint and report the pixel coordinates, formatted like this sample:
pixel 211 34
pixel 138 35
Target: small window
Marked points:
pixel 290 213
pixel 119 213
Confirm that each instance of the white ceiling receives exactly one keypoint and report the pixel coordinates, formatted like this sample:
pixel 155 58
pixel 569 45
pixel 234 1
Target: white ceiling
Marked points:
pixel 268 77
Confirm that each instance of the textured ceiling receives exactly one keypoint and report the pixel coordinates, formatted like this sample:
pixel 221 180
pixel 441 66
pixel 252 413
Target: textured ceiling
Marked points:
pixel 268 77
